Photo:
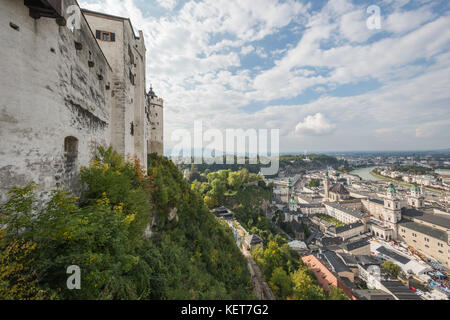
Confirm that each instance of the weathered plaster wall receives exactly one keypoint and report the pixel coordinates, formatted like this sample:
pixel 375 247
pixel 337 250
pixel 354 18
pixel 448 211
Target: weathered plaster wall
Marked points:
pixel 129 99
pixel 49 92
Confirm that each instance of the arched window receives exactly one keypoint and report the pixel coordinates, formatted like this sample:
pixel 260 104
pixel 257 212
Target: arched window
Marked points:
pixel 71 146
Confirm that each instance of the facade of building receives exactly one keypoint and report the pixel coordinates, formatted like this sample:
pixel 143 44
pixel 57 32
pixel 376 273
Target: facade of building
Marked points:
pixel 126 53
pixel 66 91
pixel 344 214
pixel 429 239
pixel 338 192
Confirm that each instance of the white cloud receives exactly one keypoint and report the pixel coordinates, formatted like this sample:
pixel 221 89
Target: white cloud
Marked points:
pixel 247 49
pixel 314 125
pixel 168 4
pixel 194 63
pixel 399 22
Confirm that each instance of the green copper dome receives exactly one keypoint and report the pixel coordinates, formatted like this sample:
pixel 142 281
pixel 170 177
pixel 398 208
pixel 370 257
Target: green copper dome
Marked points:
pixel 292 201
pixel 391 189
pixel 415 188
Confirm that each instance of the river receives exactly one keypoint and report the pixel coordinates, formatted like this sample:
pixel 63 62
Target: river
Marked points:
pixel 364 173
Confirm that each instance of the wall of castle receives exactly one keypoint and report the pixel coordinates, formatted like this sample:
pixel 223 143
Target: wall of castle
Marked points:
pixel 114 51
pixel 51 92
pixel 127 54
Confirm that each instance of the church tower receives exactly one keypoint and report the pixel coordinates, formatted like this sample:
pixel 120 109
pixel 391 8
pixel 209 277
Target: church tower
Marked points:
pixel 416 198
pixel 392 209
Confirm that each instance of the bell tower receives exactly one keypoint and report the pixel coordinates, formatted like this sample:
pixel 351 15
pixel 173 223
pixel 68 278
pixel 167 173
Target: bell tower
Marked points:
pixel 392 210
pixel 416 198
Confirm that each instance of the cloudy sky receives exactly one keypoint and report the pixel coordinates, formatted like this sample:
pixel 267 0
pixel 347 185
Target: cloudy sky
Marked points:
pixel 317 70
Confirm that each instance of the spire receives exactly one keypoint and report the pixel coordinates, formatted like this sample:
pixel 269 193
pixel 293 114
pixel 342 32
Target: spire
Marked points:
pixel 391 190
pixel 151 93
pixel 415 189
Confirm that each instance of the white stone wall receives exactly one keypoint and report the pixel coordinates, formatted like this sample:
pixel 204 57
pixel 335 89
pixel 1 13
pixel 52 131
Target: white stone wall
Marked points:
pixel 49 92
pixel 129 99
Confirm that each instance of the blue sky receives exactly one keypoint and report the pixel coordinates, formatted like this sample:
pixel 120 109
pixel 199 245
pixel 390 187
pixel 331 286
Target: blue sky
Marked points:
pixel 312 69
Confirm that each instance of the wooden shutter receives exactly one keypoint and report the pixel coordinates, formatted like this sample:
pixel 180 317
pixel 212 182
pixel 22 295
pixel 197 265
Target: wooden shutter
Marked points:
pixel 113 36
pixel 97 34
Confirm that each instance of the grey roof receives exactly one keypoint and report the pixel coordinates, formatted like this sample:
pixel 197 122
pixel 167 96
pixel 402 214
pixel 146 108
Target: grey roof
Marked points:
pixel 366 260
pixel 376 200
pixel 393 255
pixel 354 213
pixel 399 290
pixel 310 205
pixel 336 262
pixel 357 244
pixel 373 295
pixel 349 259
pixel 429 231
pixel 339 189
pixel 253 239
pixel 221 209
pixel 327 241
pixel 437 219
pixel 348 227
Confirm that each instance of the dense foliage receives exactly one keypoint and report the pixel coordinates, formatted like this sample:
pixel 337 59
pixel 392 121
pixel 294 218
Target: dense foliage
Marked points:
pixel 391 267
pixel 189 256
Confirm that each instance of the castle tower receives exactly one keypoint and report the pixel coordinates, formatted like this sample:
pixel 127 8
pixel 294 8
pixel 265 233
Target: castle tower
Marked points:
pixel 416 198
pixel 155 143
pixel 392 209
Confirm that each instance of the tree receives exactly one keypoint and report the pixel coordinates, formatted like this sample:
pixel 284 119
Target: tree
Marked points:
pixel 305 286
pixel 235 180
pixel 336 294
pixel 281 283
pixel 314 183
pixel 391 267
pixel 210 201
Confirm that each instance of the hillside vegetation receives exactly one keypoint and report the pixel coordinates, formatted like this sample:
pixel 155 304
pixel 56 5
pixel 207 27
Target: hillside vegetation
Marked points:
pixel 281 266
pixel 190 254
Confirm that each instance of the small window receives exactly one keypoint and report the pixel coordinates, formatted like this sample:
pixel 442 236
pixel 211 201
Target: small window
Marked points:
pixel 71 146
pixel 132 76
pixel 105 35
pixel 70 152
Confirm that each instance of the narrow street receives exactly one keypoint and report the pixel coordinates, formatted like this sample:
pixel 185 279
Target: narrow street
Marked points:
pixel 260 287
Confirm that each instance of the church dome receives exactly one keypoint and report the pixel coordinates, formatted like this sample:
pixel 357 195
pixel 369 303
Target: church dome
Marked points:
pixel 415 188
pixel 391 189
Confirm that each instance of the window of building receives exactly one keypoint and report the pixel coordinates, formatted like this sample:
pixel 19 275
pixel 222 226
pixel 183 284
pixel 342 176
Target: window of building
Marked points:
pixel 105 35
pixel 70 150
